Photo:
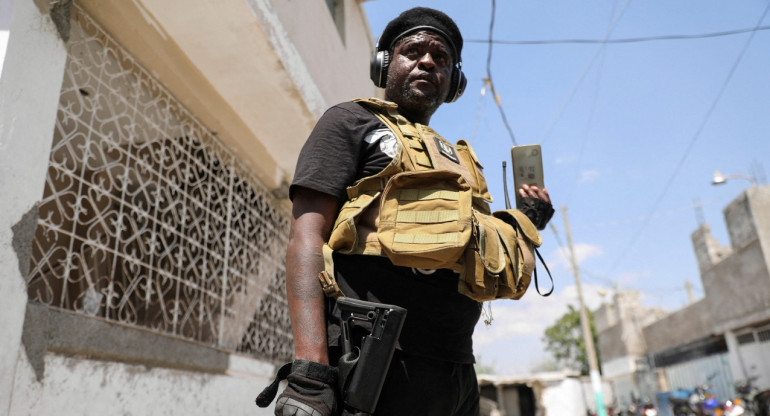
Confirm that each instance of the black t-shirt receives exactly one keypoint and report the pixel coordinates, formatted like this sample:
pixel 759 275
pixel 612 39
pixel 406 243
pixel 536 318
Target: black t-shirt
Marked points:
pixel 349 143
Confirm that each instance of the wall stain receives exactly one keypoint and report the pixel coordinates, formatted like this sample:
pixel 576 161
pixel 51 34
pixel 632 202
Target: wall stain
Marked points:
pixel 61 11
pixel 23 235
pixel 34 338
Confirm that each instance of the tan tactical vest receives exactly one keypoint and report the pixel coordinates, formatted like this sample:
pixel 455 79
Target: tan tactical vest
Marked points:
pixel 429 208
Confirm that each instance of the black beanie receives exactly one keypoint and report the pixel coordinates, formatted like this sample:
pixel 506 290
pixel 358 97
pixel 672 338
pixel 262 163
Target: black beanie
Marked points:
pixel 422 18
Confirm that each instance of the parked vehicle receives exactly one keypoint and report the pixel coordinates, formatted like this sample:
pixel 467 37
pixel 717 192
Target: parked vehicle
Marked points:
pixel 641 408
pixel 761 403
pixel 749 401
pixel 699 401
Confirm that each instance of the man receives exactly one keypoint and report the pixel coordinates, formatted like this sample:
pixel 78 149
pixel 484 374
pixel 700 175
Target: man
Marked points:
pixel 432 370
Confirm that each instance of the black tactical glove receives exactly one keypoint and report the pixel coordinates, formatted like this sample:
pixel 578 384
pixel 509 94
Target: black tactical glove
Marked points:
pixel 537 210
pixel 311 390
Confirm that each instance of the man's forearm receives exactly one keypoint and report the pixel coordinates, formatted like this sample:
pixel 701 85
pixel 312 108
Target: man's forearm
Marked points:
pixel 306 301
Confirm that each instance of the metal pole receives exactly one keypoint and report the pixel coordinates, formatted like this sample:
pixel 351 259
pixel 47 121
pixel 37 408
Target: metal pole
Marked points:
pixel 596 381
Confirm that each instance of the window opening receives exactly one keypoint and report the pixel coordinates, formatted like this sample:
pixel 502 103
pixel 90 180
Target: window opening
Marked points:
pixel 148 220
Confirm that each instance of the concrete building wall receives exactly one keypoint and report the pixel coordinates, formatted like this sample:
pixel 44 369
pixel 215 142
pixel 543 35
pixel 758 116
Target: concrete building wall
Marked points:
pixel 614 368
pixel 228 64
pixel 263 71
pixel 29 88
pixel 708 251
pixel 335 59
pixel 738 288
pixel 690 342
pixel 622 341
pixel 605 317
pixel 759 201
pixel 75 365
pixel 611 345
pixel 680 327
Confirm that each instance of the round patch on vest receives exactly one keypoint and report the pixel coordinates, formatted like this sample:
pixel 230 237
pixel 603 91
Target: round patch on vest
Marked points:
pixel 388 141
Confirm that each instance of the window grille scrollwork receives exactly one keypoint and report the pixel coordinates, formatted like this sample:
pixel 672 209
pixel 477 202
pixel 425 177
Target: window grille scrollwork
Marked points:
pixel 148 220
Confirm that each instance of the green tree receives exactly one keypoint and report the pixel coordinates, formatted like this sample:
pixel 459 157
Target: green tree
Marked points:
pixel 564 340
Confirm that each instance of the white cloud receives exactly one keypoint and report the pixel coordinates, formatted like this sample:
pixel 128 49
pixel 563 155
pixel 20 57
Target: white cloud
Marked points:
pixel 560 257
pixel 588 175
pixel 512 343
pixel 628 279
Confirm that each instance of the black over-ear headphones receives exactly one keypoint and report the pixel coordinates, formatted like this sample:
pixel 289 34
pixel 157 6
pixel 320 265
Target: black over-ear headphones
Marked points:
pixel 378 68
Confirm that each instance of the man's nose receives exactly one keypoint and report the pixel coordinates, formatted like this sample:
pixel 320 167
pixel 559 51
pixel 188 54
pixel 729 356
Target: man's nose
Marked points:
pixel 426 62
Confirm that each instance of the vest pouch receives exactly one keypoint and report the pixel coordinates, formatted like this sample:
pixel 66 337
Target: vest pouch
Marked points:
pixel 500 261
pixel 345 234
pixel 520 238
pixel 484 260
pixel 425 219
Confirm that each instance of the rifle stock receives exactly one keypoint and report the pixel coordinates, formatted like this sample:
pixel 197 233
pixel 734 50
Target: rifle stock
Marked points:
pixel 366 359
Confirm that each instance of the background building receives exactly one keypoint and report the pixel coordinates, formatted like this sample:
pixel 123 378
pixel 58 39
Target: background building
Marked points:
pixel 146 147
pixel 719 339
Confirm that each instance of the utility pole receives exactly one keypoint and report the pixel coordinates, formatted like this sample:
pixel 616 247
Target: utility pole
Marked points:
pixel 688 288
pixel 593 364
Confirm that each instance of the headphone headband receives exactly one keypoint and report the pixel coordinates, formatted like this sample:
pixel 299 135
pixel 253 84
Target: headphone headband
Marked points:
pixel 455 55
pixel 378 68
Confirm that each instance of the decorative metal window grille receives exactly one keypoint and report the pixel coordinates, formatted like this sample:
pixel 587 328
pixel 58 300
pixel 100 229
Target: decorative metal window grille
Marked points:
pixel 764 335
pixel 148 220
pixel 746 338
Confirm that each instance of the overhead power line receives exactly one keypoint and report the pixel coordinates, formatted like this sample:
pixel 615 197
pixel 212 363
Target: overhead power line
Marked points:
pixel 626 40
pixel 488 79
pixel 691 144
pixel 583 74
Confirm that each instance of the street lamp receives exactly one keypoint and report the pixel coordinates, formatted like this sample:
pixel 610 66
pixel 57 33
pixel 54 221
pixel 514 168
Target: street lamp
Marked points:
pixel 719 178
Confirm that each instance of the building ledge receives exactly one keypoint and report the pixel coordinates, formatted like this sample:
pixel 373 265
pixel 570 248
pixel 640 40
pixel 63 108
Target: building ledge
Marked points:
pixel 48 330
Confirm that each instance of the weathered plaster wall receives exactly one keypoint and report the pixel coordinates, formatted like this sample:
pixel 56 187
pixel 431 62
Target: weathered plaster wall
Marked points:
pixel 76 385
pixel 336 66
pixel 611 343
pixel 605 317
pixel 685 325
pixel 738 288
pixel 29 91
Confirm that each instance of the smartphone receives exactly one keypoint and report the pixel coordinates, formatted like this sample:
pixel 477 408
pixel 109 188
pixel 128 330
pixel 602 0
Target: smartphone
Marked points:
pixel 527 163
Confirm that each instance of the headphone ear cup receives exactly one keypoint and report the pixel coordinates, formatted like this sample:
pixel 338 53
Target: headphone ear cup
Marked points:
pixel 457 87
pixel 378 68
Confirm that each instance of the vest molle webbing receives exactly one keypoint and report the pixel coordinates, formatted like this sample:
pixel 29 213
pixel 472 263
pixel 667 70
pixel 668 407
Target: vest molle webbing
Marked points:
pixel 429 208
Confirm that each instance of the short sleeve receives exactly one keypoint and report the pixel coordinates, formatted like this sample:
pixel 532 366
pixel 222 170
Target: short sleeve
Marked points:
pixel 330 159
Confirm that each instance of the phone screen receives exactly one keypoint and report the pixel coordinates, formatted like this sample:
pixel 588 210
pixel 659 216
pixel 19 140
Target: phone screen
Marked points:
pixel 527 162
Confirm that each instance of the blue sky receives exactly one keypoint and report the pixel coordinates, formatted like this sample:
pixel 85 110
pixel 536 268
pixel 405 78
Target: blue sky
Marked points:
pixel 631 136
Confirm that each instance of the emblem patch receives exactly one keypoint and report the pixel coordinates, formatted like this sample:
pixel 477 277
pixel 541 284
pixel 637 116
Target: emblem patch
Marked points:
pixel 446 150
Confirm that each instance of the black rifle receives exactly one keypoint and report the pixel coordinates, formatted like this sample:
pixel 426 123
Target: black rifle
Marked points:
pixel 369 334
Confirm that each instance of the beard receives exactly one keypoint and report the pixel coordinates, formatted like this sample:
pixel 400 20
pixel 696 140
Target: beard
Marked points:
pixel 417 100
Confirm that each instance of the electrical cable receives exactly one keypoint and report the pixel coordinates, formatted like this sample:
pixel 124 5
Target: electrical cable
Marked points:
pixel 589 124
pixel 582 76
pixel 629 220
pixel 691 144
pixel 616 41
pixel 489 81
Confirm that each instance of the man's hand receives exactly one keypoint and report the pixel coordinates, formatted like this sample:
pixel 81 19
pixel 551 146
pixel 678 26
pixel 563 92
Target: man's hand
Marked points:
pixel 536 205
pixel 311 391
